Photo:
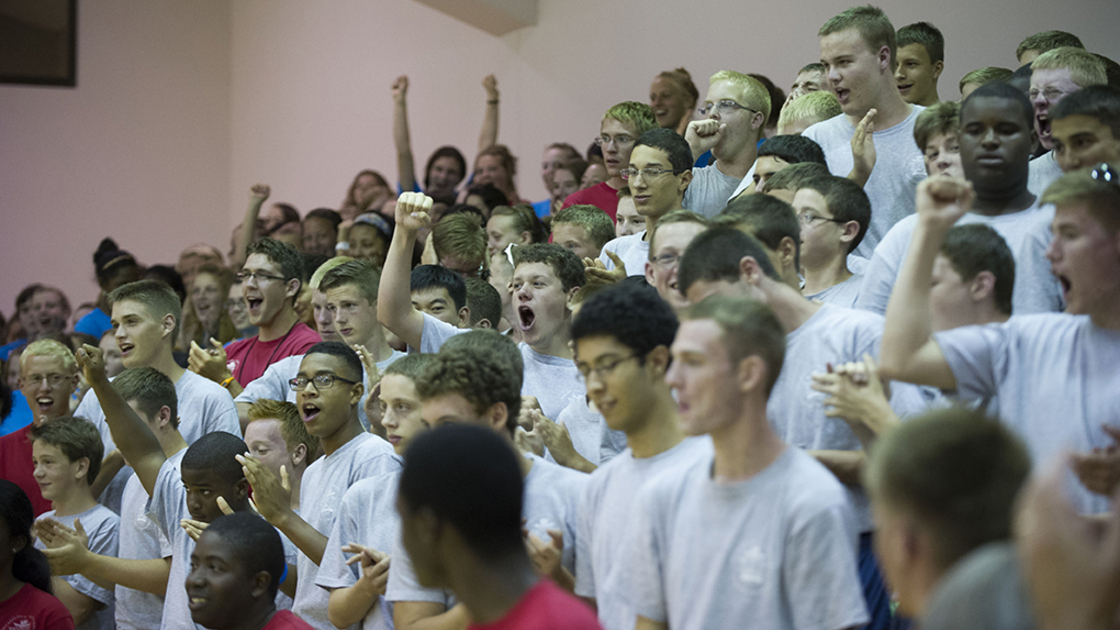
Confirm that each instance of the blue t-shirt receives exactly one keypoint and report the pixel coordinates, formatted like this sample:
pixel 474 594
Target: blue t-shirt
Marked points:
pixel 93 323
pixel 19 417
pixel 6 350
pixel 543 208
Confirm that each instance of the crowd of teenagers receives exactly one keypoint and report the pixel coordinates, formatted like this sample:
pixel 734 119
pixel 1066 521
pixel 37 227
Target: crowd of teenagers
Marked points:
pixel 846 358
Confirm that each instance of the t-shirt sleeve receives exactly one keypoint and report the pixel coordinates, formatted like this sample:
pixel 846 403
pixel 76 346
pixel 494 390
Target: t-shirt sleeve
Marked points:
pixel 820 568
pixel 881 274
pixel 977 355
pixel 645 576
pixel 435 333
pixel 167 505
pixel 269 386
pixel 221 414
pixel 585 576
pixel 403 584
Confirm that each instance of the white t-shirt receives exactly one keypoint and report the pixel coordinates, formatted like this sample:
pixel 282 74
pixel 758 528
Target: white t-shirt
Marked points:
pixel 586 427
pixel 776 551
pixel 898 169
pixel 551 501
pixel 1044 170
pixel 748 179
pixel 606 523
pixel 103 528
pixel 1027 234
pixel 367 516
pixel 140 539
pixel 843 294
pixel 631 249
pixel 709 191
pixel 204 407
pixel 324 483
pixel 1057 377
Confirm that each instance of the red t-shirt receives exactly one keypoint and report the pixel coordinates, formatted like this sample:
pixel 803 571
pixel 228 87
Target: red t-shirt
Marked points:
pixel 249 358
pixel 602 196
pixel 32 609
pixel 285 620
pixel 16 467
pixel 546 607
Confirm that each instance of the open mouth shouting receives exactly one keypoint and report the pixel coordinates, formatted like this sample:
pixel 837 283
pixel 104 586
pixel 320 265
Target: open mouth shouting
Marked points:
pixel 843 95
pixel 309 412
pixel 526 317
pixel 126 348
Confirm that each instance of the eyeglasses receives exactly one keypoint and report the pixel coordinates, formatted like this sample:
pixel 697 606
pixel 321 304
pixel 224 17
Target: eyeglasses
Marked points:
pixel 604 368
pixel 1050 94
pixel 1104 173
pixel 53 380
pixel 807 218
pixel 665 260
pixel 321 381
pixel 621 140
pixel 646 173
pixel 246 276
pixel 724 107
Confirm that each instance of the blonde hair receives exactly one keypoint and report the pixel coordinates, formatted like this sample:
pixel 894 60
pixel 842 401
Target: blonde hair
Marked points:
pixel 814 106
pixel 1084 67
pixel 751 91
pixel 292 428
pixel 49 348
pixel 317 277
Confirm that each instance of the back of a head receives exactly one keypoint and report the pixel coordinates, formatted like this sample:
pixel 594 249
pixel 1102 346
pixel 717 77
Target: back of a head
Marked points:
pixel 109 259
pixel 169 276
pixel 672 143
pixel 955 470
pixel 216 452
pixel 847 201
pixel 766 218
pixel 484 302
pixel 926 34
pixel 873 25
pixel 492 197
pixel 361 274
pixel 634 315
pixel 809 109
pixel 1101 102
pixel 793 150
pixel 976 247
pixel 985 590
pixel 1085 68
pixel 256 544
pixel 156 297
pixel 150 390
pixel 632 112
pixel 460 236
pixel 1001 91
pixel 488 340
pixel 939 118
pixel 795 176
pixel 425 277
pixel 480 371
pixel 565 264
pixel 29 564
pixel 1099 196
pixel 1111 69
pixel 749 328
pixel 77 438
pixel 469 478
pixel 1046 41
pixel 597 224
pixel 715 255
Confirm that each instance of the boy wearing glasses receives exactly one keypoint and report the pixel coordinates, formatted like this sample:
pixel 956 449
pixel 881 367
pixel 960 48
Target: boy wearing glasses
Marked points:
pixel 659 174
pixel 620 128
pixel 270 281
pixel 996 136
pixel 834 213
pixel 328 388
pixel 737 107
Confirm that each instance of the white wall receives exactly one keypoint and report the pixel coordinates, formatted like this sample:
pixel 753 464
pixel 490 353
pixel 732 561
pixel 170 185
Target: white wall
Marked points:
pixel 181 106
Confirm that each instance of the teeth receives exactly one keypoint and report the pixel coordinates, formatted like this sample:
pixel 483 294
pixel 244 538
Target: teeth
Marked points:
pixel 197 600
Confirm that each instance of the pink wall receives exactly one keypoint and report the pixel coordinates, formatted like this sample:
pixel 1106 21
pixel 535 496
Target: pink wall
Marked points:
pixel 182 106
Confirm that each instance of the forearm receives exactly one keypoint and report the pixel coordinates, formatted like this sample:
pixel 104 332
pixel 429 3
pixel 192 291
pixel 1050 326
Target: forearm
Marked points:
pixel 488 137
pixel 424 616
pixel 248 233
pixel 846 465
pixel 110 466
pixel 908 325
pixel 149 575
pixel 859 175
pixel 564 579
pixel 406 168
pixel 80 606
pixel 308 539
pixel 133 438
pixel 348 606
pixel 394 303
pixel 572 459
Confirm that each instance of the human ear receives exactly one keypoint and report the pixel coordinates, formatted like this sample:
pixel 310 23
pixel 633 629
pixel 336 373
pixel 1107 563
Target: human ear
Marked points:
pixel 260 584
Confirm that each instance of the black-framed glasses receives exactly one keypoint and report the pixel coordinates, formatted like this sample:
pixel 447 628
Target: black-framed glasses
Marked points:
pixel 246 276
pixel 724 107
pixel 1104 173
pixel 604 368
pixel 665 260
pixel 807 218
pixel 321 382
pixel 646 173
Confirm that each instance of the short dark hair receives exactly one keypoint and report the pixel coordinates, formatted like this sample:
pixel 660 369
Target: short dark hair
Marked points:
pixel 715 254
pixel 749 328
pixel 342 351
pixel 939 118
pixel 26 293
pixel 156 297
pixel 447 469
pixel 76 438
pixel 359 273
pixel 255 543
pixel 793 149
pixel 1004 91
pixel 484 302
pixel 17 515
pixel 480 373
pixel 150 389
pixel 1047 40
pixel 425 277
pixel 847 202
pixel 766 218
pixel 925 34
pixel 327 214
pixel 672 143
pixel 1101 102
pixel 216 451
pixel 109 258
pixel 973 248
pixel 280 253
pixel 958 470
pixel 565 264
pixel 635 315
pixel 169 276
pixel 795 176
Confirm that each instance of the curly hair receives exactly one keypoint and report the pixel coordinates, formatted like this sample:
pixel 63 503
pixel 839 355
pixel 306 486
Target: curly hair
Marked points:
pixel 479 375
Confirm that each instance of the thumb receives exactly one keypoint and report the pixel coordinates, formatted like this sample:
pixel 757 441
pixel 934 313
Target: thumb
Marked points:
pixel 285 482
pixel 557 538
pixel 195 346
pixel 214 342
pixel 618 264
pixel 81 531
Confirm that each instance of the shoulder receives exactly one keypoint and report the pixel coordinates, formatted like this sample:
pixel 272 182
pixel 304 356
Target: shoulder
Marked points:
pixel 304 334
pixel 825 128
pixel 192 387
pixel 811 488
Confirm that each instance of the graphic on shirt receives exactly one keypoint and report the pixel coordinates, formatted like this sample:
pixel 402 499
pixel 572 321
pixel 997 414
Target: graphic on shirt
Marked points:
pixel 750 567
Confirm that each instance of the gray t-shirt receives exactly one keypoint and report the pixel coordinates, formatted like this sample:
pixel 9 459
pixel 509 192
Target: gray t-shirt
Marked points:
pixel 204 407
pixel 273 384
pixel 586 427
pixel 1027 234
pixel 1044 170
pixel 611 443
pixel 982 591
pixel 709 190
pixel 843 294
pixel 832 335
pixel 140 539
pixel 606 523
pixel 631 250
pixel 1056 377
pixel 778 549
pixel 898 169
pixel 551 501
pixel 324 483
pixel 367 516
pixel 103 527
